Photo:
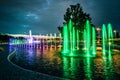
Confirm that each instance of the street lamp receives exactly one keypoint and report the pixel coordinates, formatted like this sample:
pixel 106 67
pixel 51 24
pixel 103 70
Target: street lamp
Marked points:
pixel 98 31
pixel 115 33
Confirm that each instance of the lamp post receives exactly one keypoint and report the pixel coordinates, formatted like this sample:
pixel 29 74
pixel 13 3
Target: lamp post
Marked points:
pixel 98 32
pixel 115 33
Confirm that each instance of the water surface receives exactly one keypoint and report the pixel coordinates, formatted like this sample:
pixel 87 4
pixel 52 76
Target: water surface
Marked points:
pixel 50 61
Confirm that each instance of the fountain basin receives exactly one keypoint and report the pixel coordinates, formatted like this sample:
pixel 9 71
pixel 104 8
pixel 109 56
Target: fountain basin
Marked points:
pixel 51 62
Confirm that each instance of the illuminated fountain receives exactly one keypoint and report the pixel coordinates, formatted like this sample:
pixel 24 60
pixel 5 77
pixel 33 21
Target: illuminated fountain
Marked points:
pixel 36 41
pixel 71 40
pixel 87 35
pixel 89 39
pixel 107 38
pixel 75 63
pixel 110 37
pixel 104 39
pixel 30 39
pixel 93 41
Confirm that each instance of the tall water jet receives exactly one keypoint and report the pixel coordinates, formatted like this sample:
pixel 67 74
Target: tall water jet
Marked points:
pixel 84 38
pixel 93 41
pixel 73 39
pixel 88 37
pixel 77 40
pixel 70 39
pixel 110 37
pixel 65 39
pixel 104 39
pixel 110 34
pixel 30 37
pixel 70 27
pixel 30 33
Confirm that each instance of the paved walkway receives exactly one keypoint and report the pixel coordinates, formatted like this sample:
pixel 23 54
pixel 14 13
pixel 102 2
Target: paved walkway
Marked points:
pixel 11 72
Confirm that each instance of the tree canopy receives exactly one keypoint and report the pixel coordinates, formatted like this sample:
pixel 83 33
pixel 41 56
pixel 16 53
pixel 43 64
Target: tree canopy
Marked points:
pixel 77 15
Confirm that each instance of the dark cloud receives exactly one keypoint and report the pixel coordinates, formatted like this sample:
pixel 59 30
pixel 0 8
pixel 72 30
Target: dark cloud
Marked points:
pixel 43 16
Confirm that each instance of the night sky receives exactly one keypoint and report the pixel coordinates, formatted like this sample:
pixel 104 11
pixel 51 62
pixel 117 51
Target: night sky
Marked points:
pixel 44 16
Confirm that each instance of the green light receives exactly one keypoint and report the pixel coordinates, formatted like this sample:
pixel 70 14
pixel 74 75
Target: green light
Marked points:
pixel 104 38
pixel 108 68
pixel 93 41
pixel 77 40
pixel 70 67
pixel 73 63
pixel 87 68
pixel 110 33
pixel 84 37
pixel 88 37
pixel 74 39
pixel 70 25
pixel 65 67
pixel 110 36
pixel 71 40
pixel 65 39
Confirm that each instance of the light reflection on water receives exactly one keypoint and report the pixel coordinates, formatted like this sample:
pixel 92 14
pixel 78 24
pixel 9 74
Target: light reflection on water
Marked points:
pixel 48 60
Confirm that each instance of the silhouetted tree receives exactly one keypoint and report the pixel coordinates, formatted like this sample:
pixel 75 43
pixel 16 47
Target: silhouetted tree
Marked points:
pixel 76 14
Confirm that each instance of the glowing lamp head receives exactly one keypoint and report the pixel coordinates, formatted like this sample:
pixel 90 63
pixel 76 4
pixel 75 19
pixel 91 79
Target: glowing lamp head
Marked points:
pixel 109 43
pixel 114 31
pixel 98 29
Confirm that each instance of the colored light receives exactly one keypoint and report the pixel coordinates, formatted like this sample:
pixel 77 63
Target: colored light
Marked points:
pixel 93 41
pixel 104 39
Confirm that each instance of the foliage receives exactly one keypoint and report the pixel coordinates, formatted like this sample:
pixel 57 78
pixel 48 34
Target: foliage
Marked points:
pixel 78 17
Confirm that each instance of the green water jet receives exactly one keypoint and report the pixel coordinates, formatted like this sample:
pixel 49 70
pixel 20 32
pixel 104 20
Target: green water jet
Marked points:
pixel 104 39
pixel 93 41
pixel 110 37
pixel 65 39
